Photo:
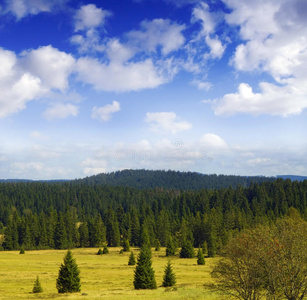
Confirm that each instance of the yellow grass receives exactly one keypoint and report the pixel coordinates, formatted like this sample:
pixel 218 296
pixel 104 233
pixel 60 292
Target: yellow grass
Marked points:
pixel 102 276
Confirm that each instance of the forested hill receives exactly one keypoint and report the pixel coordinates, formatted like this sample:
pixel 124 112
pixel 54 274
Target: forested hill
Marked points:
pixel 147 179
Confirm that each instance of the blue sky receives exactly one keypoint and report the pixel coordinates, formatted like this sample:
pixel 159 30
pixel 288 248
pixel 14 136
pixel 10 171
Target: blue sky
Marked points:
pixel 214 86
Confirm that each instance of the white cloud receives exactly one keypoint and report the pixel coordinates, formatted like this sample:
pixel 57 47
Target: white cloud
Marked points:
pixel 166 122
pixel 212 142
pixel 260 161
pixel 202 85
pixel 272 100
pixel 274 34
pixel 158 32
pixel 60 111
pixel 118 76
pixel 104 113
pixel 17 86
pixel 93 166
pixel 89 16
pixel 51 65
pixel 202 14
pixel 22 8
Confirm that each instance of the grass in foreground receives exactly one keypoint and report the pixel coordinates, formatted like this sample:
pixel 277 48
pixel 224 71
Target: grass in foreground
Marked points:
pixel 102 276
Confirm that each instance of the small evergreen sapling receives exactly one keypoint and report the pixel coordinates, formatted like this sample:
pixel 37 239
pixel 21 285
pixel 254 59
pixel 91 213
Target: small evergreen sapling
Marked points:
pixel 126 246
pixel 22 250
pixel 100 252
pixel 105 250
pixel 200 257
pixel 68 280
pixel 37 286
pixel 131 261
pixel 169 278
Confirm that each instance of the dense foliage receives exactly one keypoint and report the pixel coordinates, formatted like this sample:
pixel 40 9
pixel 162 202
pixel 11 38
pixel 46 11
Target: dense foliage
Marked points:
pixel 41 215
pixel 266 262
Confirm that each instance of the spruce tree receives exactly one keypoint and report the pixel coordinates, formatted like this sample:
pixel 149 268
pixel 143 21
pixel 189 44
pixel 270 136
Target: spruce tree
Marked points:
pixel 131 261
pixel 170 247
pixel 68 280
pixel 144 275
pixel 187 250
pixel 126 246
pixel 200 257
pixel 37 286
pixel 169 278
pixel 211 245
pixel 105 250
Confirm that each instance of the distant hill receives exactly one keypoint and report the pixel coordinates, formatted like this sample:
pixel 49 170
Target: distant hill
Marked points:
pixel 292 177
pixel 146 179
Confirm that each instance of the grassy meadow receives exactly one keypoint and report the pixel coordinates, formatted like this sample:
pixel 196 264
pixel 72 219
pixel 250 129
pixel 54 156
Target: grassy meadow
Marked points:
pixel 105 276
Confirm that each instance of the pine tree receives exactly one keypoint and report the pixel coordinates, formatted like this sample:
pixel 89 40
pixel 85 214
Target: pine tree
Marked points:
pixel 100 252
pixel 22 250
pixel 157 245
pixel 187 250
pixel 105 250
pixel 37 286
pixel 68 280
pixel 144 275
pixel 170 248
pixel 200 257
pixel 169 278
pixel 126 246
pixel 211 245
pixel 131 261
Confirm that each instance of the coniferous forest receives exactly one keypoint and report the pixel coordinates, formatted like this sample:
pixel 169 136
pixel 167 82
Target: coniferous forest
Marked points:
pixel 62 215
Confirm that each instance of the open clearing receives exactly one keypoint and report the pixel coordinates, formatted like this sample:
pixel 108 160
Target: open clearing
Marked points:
pixel 102 276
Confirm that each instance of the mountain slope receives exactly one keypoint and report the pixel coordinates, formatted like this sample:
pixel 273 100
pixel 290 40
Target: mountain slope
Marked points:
pixel 144 179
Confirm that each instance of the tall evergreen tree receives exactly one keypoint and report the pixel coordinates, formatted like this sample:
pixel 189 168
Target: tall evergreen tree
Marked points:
pixel 169 278
pixel 60 234
pixel 144 275
pixel 187 250
pixel 170 247
pixel 68 280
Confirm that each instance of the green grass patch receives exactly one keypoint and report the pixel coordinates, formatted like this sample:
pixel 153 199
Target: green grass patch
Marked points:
pixel 105 276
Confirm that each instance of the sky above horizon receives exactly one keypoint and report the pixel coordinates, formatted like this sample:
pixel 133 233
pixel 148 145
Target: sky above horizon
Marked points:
pixel 216 87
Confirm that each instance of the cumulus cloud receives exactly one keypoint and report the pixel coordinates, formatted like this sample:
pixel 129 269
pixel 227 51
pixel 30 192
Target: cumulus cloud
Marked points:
pixel 60 111
pixel 22 8
pixel 272 99
pixel 117 76
pixel 158 32
pixel 17 86
pixel 275 43
pixel 166 122
pixel 52 66
pixel 213 142
pixel 89 16
pixel 34 74
pixel 104 113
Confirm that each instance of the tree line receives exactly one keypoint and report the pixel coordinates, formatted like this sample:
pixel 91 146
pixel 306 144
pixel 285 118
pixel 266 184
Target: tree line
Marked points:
pixel 41 215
